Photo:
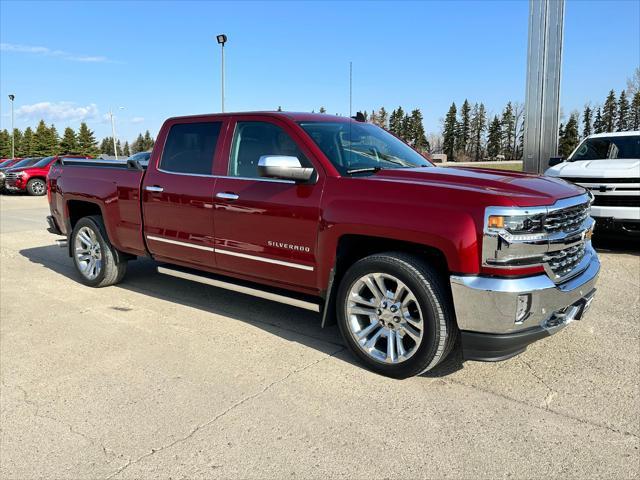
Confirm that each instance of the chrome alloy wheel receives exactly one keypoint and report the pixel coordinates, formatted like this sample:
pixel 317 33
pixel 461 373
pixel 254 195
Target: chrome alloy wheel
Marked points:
pixel 384 318
pixel 88 253
pixel 38 187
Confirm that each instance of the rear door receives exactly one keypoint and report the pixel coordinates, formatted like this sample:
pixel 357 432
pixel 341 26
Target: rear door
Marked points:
pixel 177 193
pixel 267 229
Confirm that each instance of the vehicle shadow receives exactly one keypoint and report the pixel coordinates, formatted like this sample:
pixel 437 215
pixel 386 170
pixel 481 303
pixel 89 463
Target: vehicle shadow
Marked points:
pixel 616 243
pixel 290 323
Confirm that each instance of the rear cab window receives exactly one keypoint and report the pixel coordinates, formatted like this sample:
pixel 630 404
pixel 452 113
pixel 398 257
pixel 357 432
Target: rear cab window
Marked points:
pixel 190 148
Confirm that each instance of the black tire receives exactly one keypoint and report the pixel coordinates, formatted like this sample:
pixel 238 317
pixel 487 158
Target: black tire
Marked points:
pixel 113 267
pixel 36 187
pixel 433 297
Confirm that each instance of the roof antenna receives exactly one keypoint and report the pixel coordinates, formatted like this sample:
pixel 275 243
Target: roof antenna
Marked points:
pixel 350 88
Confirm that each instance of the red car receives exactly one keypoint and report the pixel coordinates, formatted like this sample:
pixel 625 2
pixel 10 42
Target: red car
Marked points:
pixel 340 217
pixel 31 178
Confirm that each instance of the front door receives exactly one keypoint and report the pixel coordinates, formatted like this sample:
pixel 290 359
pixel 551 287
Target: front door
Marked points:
pixel 177 194
pixel 267 229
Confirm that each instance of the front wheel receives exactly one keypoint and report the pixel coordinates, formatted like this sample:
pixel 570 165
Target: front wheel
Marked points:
pixel 395 314
pixel 95 258
pixel 36 187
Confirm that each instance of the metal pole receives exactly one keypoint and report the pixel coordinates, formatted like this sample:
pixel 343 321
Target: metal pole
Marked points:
pixel 13 130
pixel 350 88
pixel 222 74
pixel 113 133
pixel 542 103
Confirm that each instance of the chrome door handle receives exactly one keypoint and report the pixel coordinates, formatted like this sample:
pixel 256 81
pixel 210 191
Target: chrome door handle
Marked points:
pixel 227 196
pixel 154 188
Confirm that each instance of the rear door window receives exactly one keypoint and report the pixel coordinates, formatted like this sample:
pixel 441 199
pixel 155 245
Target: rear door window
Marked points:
pixel 190 148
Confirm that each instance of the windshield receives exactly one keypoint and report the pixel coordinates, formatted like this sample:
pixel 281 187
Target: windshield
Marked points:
pixel 26 162
pixel 44 162
pixel 362 147
pixel 6 163
pixel 603 148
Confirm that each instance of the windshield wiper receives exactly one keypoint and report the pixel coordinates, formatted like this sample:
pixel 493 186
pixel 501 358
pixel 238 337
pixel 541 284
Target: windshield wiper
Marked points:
pixel 364 170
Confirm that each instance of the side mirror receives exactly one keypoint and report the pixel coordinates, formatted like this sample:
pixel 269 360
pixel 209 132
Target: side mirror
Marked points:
pixel 283 167
pixel 553 161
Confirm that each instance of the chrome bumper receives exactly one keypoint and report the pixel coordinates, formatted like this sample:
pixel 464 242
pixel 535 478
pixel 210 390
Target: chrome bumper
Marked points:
pixel 488 304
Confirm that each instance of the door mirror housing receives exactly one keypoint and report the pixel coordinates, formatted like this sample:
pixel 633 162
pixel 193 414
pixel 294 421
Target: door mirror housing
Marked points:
pixel 283 167
pixel 553 161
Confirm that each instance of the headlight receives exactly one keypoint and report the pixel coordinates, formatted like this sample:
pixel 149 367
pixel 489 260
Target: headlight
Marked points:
pixel 514 225
pixel 510 236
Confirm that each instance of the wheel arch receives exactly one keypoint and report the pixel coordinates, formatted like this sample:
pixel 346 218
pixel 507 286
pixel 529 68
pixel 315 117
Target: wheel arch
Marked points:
pixel 353 247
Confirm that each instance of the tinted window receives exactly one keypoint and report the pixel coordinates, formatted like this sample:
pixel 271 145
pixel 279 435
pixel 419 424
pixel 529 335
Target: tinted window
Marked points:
pixel 44 162
pixel 26 162
pixel 252 140
pixel 5 163
pixel 351 146
pixel 190 148
pixel 602 148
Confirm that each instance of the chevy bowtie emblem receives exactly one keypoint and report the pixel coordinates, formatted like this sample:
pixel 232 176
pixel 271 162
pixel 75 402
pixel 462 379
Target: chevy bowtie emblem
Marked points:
pixel 605 188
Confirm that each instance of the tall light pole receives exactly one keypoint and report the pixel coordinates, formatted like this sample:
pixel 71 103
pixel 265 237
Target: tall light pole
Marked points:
pixel 222 39
pixel 113 131
pixel 12 97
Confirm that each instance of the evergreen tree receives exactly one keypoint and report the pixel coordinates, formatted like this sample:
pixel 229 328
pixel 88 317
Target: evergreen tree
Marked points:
pixel 5 144
pixel 406 128
pixel 323 110
pixel 106 146
pixel 69 142
pixel 418 138
pixel 138 144
pixel 17 139
pixel 148 141
pixel 449 133
pixel 508 124
pixel 119 148
pixel 54 140
pixel 635 112
pixel 126 150
pixel 373 118
pixel 383 118
pixel 569 137
pixel 623 112
pixel 463 130
pixel 41 140
pixel 478 126
pixel 610 113
pixel 87 143
pixel 395 121
pixel 27 143
pixel 597 122
pixel 494 141
pixel 586 122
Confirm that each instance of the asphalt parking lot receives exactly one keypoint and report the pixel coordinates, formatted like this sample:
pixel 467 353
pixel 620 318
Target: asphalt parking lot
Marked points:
pixel 159 377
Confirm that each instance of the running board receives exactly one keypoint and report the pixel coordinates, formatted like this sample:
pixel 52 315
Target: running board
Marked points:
pixel 302 301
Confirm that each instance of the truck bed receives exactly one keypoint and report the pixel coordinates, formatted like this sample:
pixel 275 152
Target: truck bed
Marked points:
pixel 112 186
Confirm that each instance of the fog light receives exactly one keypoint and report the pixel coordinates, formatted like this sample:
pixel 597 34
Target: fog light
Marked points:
pixel 523 306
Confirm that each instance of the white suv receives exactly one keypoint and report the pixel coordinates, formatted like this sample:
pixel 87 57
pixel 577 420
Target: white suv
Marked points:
pixel 607 164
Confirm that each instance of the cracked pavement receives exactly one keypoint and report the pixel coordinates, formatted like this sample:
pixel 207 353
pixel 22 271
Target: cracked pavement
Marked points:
pixel 162 378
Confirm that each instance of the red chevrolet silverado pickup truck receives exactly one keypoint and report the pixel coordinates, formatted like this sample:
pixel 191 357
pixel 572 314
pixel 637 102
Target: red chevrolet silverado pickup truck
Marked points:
pixel 340 217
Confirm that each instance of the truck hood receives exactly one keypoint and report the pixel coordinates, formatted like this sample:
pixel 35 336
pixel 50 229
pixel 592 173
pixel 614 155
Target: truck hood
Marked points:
pixel 520 189
pixel 620 168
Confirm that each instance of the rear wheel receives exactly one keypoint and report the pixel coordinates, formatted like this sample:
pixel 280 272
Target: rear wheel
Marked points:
pixel 95 258
pixel 395 314
pixel 36 187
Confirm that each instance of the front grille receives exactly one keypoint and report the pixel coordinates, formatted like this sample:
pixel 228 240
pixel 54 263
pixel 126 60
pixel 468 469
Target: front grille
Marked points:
pixel 566 219
pixel 601 181
pixel 617 200
pixel 11 175
pixel 562 262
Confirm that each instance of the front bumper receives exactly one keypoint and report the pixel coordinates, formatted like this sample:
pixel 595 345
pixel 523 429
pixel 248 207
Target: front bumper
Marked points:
pixel 486 309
